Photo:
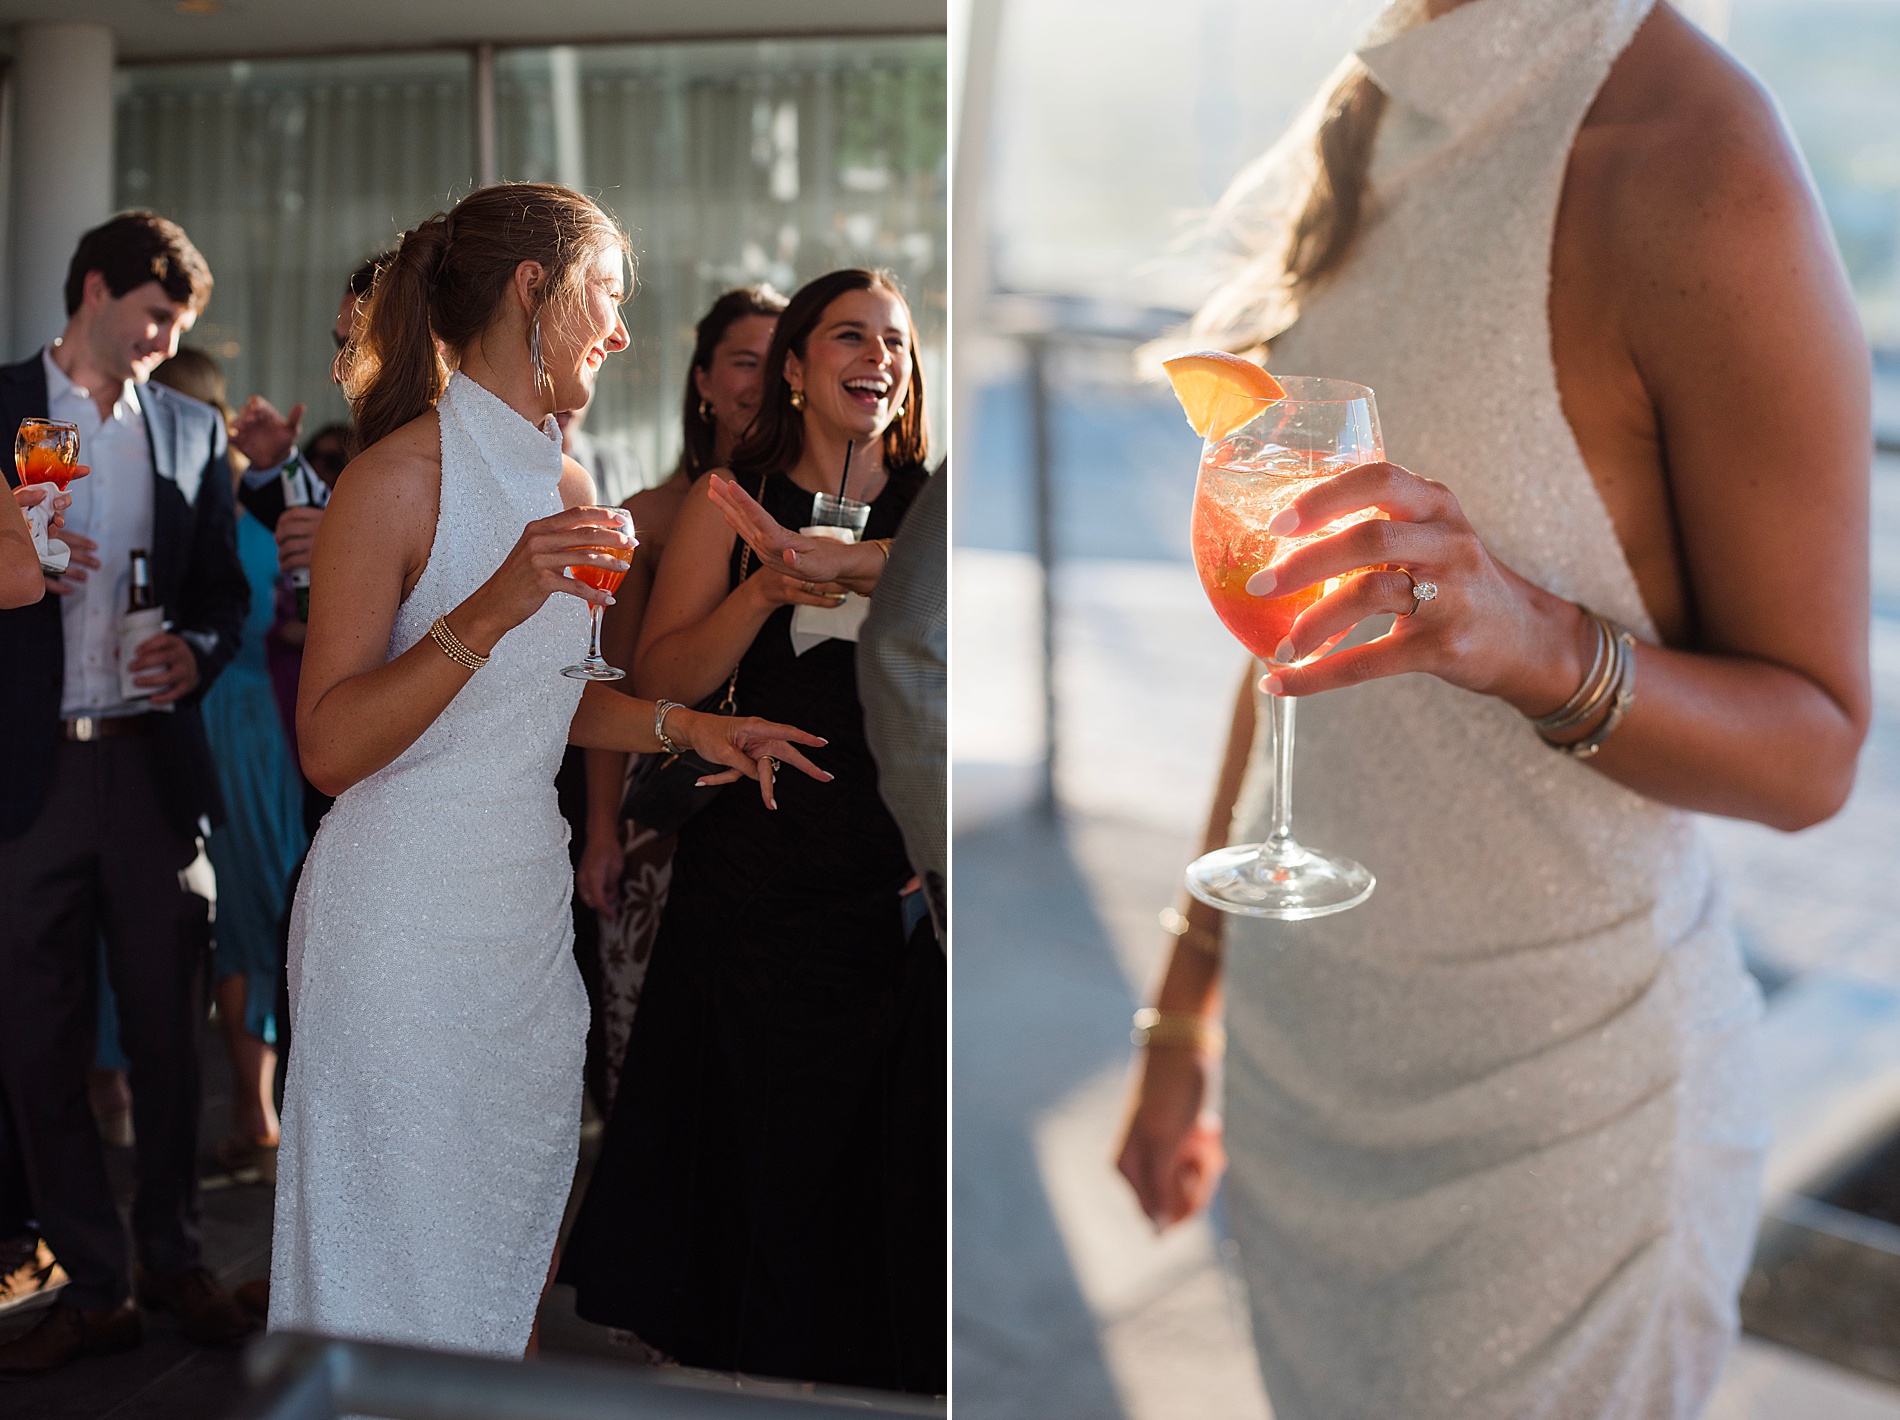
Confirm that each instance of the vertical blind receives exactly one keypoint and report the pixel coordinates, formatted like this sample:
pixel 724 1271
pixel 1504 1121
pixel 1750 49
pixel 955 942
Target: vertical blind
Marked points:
pixel 727 163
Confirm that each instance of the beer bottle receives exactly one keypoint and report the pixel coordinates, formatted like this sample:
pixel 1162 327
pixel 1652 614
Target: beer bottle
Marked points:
pixel 296 486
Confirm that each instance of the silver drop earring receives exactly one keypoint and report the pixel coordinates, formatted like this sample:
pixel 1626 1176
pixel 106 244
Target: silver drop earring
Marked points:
pixel 539 365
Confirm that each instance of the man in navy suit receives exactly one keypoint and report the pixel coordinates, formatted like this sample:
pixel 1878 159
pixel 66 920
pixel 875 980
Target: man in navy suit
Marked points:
pixel 107 796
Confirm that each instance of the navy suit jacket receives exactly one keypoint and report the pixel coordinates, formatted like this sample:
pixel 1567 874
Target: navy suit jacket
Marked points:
pixel 199 581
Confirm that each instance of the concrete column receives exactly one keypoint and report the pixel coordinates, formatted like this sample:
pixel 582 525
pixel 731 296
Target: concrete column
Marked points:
pixel 62 164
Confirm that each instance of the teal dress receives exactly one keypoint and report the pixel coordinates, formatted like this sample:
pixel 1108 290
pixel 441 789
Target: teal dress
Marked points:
pixel 263 838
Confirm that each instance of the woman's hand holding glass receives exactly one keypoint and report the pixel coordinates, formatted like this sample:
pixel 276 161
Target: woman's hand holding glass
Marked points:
pixel 805 562
pixel 1486 629
pixel 751 748
pixel 536 567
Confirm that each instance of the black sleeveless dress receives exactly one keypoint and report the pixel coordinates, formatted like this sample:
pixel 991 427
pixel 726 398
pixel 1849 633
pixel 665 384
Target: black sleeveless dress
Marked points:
pixel 770 1193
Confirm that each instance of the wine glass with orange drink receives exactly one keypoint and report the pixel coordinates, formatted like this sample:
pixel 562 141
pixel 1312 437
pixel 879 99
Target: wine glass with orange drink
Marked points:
pixel 1263 442
pixel 607 579
pixel 46 451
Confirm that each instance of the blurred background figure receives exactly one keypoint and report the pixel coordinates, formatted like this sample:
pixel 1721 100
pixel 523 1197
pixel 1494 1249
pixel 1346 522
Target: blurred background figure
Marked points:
pixel 624 867
pixel 263 837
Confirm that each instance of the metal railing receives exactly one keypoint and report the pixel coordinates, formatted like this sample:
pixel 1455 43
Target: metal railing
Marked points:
pixel 297 1377
pixel 1039 322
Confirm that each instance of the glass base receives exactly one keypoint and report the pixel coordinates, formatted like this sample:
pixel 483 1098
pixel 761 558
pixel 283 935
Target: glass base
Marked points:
pixel 593 669
pixel 1290 885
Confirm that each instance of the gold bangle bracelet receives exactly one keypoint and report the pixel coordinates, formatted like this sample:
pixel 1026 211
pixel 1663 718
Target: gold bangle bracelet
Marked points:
pixel 452 646
pixel 1159 1029
pixel 1203 939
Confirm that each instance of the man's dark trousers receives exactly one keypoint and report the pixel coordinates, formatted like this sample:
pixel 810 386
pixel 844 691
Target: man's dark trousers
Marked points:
pixel 103 857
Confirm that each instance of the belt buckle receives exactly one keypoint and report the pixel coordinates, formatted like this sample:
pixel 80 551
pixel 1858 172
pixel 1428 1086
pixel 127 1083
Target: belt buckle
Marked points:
pixel 84 728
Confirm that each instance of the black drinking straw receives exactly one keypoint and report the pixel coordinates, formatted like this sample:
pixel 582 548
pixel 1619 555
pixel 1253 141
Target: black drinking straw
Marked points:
pixel 849 445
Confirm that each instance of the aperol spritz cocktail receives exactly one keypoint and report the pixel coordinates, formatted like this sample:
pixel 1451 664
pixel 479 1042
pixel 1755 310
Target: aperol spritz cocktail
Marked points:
pixel 47 451
pixel 607 579
pixel 1255 460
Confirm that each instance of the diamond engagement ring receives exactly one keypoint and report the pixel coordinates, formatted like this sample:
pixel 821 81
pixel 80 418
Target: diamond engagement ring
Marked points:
pixel 1421 592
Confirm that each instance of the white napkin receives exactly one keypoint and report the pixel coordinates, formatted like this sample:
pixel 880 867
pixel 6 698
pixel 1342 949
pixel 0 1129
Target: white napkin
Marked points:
pixel 813 624
pixel 54 554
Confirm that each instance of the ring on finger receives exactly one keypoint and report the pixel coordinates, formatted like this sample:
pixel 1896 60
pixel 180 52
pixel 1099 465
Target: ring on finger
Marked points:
pixel 1421 591
pixel 770 763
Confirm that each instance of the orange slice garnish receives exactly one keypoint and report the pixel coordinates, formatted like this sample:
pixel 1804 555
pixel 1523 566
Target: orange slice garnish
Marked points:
pixel 1220 392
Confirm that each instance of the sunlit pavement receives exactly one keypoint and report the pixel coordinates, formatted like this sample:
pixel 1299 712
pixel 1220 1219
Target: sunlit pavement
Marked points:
pixel 1062 1291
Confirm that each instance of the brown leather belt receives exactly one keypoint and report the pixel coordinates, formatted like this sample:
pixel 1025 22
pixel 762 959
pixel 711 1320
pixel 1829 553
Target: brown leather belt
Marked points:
pixel 84 729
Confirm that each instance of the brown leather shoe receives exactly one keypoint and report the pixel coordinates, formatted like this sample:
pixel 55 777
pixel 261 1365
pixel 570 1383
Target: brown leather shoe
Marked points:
pixel 205 1311
pixel 66 1333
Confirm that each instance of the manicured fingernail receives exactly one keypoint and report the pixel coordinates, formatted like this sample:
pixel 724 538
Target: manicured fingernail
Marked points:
pixel 1270 685
pixel 701 783
pixel 1284 522
pixel 1261 583
pixel 608 602
pixel 1284 654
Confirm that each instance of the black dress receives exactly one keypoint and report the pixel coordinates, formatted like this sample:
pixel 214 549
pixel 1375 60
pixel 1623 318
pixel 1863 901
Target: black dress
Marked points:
pixel 770 1193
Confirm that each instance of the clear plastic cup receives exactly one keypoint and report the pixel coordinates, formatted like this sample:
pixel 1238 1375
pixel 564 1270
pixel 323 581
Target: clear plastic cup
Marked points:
pixel 830 511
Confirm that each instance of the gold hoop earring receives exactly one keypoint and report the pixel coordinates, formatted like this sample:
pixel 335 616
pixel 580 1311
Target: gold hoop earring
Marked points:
pixel 536 361
pixel 705 412
pixel 798 399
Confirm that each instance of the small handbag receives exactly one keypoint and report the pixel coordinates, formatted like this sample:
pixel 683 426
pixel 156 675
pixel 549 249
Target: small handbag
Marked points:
pixel 663 790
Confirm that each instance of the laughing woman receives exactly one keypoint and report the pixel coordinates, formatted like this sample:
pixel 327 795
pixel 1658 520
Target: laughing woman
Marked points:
pixel 432 1111
pixel 766 1198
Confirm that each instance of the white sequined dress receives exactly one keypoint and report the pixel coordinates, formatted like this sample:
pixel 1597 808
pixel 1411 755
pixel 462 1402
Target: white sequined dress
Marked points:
pixel 1496 1135
pixel 432 1109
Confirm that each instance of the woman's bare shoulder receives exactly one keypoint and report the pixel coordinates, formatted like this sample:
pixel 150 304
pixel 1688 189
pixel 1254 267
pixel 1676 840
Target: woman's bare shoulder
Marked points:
pixel 400 473
pixel 1690 151
pixel 407 459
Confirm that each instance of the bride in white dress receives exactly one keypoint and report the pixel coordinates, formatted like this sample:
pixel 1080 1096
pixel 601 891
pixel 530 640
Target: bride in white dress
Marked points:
pixel 1496 1135
pixel 432 1109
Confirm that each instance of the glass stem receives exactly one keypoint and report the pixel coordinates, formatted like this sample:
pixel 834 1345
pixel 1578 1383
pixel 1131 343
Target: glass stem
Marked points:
pixel 1281 836
pixel 593 637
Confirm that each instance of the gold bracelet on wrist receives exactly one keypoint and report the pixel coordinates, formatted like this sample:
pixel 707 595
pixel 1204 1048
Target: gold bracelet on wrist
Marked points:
pixel 1203 939
pixel 883 545
pixel 1159 1029
pixel 452 646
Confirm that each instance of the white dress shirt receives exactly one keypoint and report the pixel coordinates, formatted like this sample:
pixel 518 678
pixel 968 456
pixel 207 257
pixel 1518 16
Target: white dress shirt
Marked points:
pixel 113 506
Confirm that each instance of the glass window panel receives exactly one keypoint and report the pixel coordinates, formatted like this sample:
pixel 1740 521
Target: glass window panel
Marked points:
pixel 287 173
pixel 727 162
pixel 731 163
